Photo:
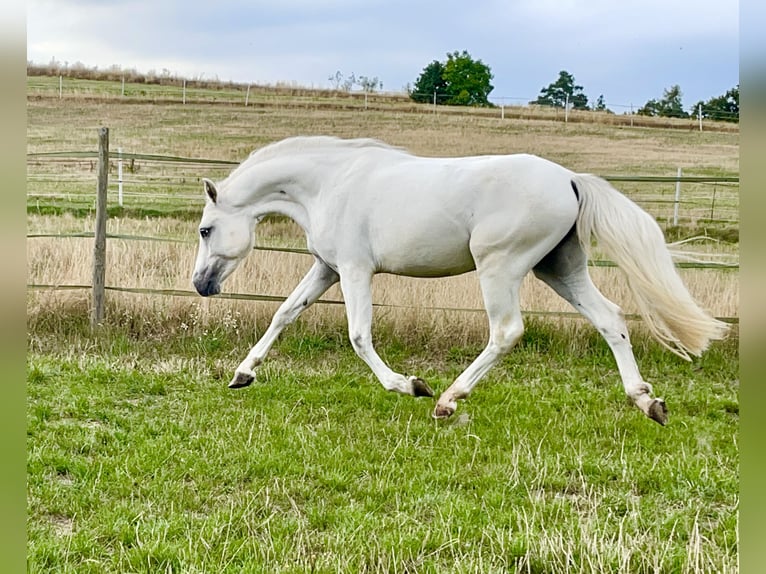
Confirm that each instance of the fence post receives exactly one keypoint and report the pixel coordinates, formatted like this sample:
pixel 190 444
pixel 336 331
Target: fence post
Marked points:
pixel 119 176
pixel 678 198
pixel 99 246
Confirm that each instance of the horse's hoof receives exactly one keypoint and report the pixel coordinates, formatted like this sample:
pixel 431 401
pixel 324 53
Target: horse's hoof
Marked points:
pixel 241 380
pixel 443 412
pixel 420 388
pixel 658 411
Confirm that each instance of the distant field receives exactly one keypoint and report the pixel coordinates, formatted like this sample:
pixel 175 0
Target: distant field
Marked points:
pixel 140 460
pixel 167 90
pixel 229 132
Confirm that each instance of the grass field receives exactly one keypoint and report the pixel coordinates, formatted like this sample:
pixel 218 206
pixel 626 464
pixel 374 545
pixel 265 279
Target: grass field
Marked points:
pixel 140 460
pixel 168 90
pixel 230 132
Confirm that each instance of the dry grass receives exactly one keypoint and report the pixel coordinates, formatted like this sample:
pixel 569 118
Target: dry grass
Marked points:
pixel 232 132
pixel 408 305
pixel 108 85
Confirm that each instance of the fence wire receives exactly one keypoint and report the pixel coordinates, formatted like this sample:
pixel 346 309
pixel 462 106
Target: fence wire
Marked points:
pixel 64 181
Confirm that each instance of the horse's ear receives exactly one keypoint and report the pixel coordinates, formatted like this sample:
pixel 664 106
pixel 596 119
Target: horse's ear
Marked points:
pixel 210 190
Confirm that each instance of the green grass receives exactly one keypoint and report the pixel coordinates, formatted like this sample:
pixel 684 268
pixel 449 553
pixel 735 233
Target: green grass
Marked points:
pixel 140 459
pixel 83 210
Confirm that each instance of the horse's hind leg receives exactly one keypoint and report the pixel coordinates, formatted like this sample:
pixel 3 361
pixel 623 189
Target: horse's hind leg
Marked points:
pixel 565 270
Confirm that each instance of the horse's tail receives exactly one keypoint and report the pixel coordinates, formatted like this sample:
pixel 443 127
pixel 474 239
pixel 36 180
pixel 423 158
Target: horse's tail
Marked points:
pixel 633 240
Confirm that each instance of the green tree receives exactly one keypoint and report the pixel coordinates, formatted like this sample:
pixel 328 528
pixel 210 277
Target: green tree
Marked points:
pixel 468 80
pixel 670 106
pixel 600 106
pixel 431 81
pixel 722 108
pixel 460 81
pixel 562 90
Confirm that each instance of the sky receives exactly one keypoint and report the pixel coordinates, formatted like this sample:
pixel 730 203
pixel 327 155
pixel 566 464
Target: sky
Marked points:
pixel 629 52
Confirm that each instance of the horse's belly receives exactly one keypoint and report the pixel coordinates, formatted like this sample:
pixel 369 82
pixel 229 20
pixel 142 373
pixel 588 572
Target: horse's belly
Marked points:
pixel 448 256
pixel 430 268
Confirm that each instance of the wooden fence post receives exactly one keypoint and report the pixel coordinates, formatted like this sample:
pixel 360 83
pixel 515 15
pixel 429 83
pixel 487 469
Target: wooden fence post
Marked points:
pixel 99 246
pixel 678 198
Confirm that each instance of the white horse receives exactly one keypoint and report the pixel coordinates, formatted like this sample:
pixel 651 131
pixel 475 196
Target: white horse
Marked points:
pixel 368 208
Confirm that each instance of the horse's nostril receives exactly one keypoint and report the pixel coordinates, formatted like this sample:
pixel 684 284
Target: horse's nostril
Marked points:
pixel 206 286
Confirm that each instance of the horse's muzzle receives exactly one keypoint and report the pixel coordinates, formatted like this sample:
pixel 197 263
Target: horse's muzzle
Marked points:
pixel 206 286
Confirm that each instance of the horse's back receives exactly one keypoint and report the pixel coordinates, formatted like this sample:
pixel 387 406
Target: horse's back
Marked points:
pixel 426 216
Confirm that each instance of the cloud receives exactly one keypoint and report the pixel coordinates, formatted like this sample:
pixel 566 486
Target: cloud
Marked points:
pixel 626 51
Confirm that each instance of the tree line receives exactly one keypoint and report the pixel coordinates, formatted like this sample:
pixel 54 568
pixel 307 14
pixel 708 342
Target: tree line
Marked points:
pixel 461 80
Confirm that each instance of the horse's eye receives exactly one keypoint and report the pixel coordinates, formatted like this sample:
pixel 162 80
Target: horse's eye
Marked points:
pixel 204 232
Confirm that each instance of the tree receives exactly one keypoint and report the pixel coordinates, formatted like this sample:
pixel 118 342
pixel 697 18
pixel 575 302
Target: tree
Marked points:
pixel 336 79
pixel 349 82
pixel 722 108
pixel 460 81
pixel 600 106
pixel 562 90
pixel 670 106
pixel 369 84
pixel 468 80
pixel 431 81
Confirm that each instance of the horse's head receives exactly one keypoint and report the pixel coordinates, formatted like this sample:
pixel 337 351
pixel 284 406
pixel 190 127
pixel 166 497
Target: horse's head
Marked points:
pixel 225 239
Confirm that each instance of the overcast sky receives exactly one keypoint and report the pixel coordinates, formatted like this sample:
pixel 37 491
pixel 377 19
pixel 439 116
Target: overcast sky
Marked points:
pixel 628 51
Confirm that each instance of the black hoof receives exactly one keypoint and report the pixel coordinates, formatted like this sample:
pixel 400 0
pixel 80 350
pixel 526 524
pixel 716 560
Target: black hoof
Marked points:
pixel 241 380
pixel 441 412
pixel 420 388
pixel 658 411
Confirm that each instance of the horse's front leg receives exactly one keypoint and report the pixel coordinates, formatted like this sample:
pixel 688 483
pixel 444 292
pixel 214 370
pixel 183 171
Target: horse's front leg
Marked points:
pixel 356 287
pixel 316 282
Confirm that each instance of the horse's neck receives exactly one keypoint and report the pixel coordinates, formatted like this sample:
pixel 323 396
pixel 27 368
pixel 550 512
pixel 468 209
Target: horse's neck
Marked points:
pixel 286 186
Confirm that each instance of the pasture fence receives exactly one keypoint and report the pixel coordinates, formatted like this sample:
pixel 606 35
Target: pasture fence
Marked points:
pixel 721 198
pixel 179 90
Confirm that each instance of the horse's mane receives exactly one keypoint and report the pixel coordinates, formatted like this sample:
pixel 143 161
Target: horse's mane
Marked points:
pixel 298 144
pixel 310 143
